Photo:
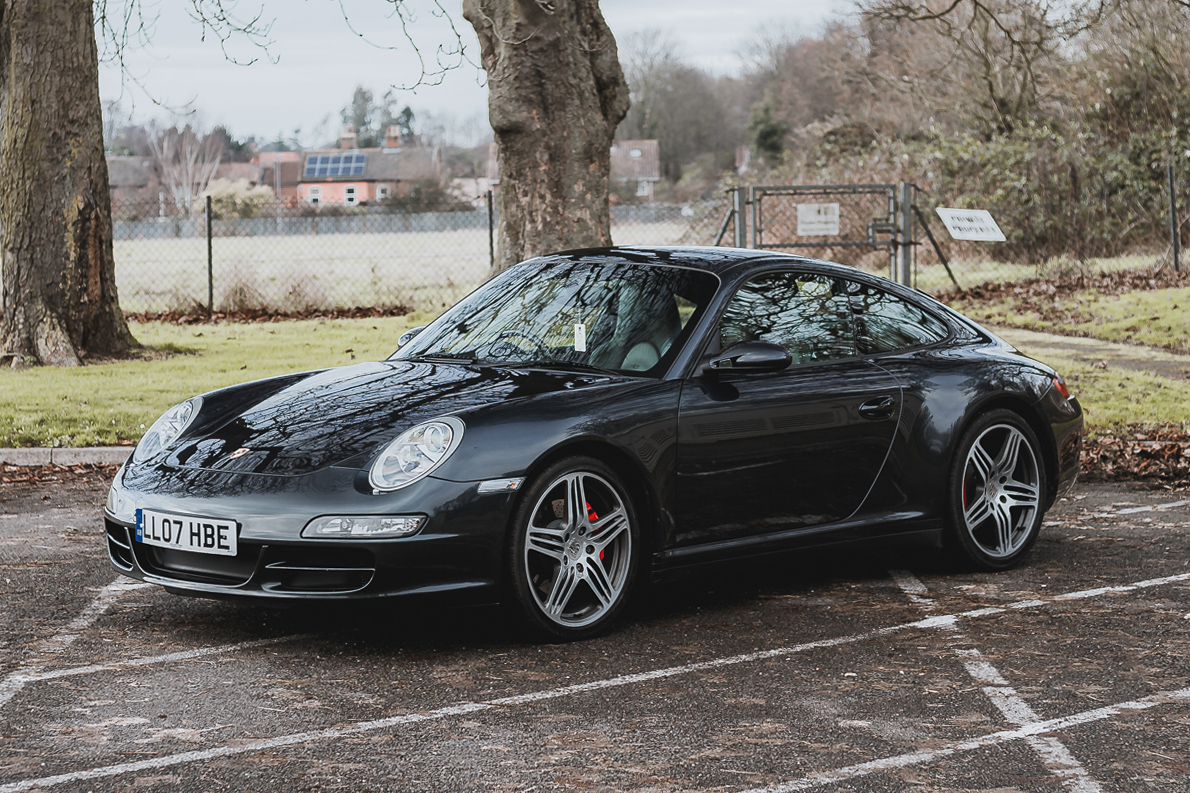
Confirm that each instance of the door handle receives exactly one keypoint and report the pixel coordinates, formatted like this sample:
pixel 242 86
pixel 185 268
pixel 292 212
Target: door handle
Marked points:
pixel 878 408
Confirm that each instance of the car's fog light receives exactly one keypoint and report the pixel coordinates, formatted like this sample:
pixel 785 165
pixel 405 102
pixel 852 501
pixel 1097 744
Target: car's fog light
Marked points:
pixel 365 526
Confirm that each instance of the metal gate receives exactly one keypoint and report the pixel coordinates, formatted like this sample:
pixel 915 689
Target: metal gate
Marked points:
pixel 835 221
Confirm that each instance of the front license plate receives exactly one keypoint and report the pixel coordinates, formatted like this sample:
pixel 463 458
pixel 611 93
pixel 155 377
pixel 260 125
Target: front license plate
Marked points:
pixel 186 532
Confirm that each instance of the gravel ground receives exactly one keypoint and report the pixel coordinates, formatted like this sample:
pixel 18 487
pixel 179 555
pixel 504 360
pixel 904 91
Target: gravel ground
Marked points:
pixel 843 670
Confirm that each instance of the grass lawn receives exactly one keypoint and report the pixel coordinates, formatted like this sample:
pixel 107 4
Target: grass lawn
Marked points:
pixel 110 404
pixel 1156 318
pixel 932 277
pixel 1115 392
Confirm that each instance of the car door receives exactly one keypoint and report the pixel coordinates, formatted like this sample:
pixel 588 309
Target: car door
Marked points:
pixel 767 452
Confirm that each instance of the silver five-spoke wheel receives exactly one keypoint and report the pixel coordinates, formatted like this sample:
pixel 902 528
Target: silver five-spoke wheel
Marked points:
pixel 575 549
pixel 998 505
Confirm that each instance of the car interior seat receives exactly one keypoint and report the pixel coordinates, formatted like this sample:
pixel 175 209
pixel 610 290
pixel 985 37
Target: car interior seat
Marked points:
pixel 647 322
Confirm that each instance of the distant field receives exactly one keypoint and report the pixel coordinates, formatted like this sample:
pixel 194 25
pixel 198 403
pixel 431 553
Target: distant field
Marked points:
pixel 421 270
pixel 933 277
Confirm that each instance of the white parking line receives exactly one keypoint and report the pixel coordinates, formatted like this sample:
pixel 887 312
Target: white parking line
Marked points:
pixel 1032 729
pixel 1054 755
pixel 1134 510
pixel 1035 729
pixel 17 679
pixel 154 660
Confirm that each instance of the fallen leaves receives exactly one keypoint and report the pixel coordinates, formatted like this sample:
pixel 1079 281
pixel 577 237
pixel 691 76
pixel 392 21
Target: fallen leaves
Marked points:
pixel 1042 291
pixel 1156 454
pixel 197 317
pixel 51 474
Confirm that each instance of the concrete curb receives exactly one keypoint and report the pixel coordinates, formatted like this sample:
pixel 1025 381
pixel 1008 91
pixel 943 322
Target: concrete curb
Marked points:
pixel 96 455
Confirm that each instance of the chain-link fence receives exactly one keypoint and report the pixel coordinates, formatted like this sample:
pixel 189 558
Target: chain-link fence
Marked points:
pixel 289 258
pixel 286 258
pixel 893 230
pixel 277 257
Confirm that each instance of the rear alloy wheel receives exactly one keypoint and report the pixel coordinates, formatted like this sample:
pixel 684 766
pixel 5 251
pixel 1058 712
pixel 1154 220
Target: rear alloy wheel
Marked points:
pixel 997 491
pixel 574 549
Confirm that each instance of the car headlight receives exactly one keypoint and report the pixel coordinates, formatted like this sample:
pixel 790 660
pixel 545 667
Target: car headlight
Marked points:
pixel 120 504
pixel 166 429
pixel 415 453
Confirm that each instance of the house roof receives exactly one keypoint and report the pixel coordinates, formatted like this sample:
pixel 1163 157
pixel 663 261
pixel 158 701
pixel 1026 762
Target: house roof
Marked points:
pixel 413 163
pixel 636 160
pixel 235 171
pixel 129 171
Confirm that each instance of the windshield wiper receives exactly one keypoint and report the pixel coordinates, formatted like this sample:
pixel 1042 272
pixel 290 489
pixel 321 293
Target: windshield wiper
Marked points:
pixel 443 357
pixel 550 363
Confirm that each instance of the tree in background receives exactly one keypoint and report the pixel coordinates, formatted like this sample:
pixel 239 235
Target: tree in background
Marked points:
pixel 687 111
pixel 1060 119
pixel 767 133
pixel 58 300
pixel 556 94
pixel 186 161
pixel 404 123
pixel 371 118
pixel 58 287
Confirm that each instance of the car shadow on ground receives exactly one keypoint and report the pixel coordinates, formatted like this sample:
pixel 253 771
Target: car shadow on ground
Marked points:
pixel 429 626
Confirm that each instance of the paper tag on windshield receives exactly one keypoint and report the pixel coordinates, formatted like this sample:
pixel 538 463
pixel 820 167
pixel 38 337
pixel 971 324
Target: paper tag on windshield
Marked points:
pixel 580 337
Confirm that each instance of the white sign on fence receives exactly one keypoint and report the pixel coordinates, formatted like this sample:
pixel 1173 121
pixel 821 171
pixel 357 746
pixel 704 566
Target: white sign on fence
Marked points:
pixel 817 220
pixel 971 224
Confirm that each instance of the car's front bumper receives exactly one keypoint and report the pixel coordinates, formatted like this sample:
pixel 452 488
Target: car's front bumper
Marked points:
pixel 459 551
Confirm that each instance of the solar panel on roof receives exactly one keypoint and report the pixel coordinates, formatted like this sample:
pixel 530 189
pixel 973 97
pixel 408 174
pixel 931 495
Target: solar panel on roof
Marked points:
pixel 336 164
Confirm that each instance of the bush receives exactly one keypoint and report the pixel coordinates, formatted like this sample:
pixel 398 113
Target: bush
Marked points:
pixel 234 199
pixel 1053 194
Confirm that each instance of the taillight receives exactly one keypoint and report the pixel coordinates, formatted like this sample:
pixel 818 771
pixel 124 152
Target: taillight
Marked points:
pixel 1060 385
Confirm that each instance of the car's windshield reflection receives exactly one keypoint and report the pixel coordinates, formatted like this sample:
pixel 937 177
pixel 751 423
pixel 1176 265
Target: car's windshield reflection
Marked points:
pixel 604 316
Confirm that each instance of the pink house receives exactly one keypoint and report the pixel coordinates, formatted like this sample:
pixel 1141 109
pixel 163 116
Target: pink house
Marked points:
pixel 351 176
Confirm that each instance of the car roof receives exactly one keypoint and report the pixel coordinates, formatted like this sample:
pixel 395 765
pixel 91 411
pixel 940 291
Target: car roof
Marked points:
pixel 700 257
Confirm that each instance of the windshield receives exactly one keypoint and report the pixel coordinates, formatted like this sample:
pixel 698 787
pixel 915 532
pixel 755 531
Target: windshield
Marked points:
pixel 583 313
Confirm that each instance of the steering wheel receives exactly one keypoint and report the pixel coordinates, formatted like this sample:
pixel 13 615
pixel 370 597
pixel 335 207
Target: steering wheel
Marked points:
pixel 499 347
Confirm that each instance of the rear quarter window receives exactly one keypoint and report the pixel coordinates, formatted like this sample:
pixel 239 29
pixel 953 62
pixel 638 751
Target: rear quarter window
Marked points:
pixel 885 322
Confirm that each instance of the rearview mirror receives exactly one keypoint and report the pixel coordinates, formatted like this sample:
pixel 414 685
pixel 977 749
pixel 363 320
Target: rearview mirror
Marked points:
pixel 750 356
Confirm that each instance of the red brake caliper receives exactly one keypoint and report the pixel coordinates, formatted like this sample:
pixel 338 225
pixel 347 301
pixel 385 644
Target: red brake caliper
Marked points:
pixel 591 516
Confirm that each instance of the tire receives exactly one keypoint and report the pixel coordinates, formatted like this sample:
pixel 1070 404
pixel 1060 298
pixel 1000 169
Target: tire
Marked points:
pixel 996 496
pixel 571 568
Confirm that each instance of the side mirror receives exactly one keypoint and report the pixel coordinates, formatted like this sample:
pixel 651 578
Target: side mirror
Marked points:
pixel 750 356
pixel 408 335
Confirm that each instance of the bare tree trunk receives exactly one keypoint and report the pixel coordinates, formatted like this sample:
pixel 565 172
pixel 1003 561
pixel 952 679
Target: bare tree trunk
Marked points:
pixel 58 289
pixel 555 96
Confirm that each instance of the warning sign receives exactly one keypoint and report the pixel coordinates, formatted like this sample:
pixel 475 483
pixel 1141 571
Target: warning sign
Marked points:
pixel 971 224
pixel 818 220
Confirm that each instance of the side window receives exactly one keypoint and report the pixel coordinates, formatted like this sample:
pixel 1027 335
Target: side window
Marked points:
pixel 885 322
pixel 808 315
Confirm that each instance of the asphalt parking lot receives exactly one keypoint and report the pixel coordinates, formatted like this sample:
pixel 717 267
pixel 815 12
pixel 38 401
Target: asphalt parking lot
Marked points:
pixel 841 671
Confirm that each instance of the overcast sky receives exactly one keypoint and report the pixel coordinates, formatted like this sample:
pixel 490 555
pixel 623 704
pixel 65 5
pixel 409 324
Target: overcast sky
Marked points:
pixel 315 59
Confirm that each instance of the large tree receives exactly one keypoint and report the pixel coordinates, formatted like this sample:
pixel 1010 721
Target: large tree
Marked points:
pixel 555 96
pixel 58 288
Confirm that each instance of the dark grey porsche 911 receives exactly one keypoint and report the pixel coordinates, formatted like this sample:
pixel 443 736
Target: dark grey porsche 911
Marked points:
pixel 592 417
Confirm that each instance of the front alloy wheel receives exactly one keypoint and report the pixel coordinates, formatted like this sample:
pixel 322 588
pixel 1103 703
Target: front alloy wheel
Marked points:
pixel 997 509
pixel 574 556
